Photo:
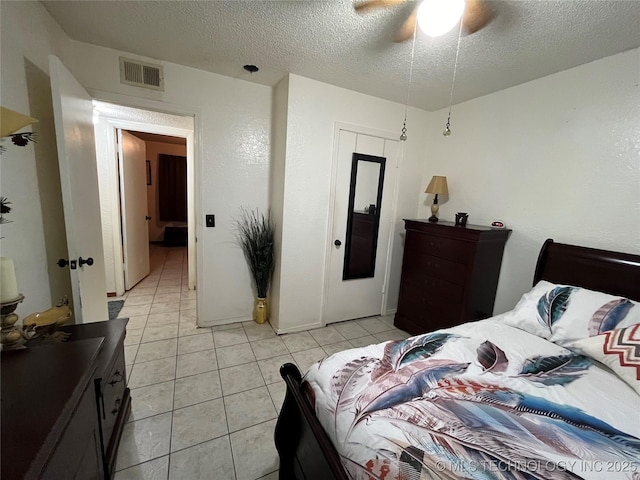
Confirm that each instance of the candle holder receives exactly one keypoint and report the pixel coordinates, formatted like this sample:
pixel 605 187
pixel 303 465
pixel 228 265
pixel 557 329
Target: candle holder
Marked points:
pixel 10 334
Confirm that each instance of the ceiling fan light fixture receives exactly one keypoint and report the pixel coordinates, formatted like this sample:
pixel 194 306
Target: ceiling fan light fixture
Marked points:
pixel 437 17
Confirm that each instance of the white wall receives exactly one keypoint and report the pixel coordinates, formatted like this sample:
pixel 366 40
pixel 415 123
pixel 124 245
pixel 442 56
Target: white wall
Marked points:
pixel 29 176
pixel 312 112
pixel 232 123
pixel 557 158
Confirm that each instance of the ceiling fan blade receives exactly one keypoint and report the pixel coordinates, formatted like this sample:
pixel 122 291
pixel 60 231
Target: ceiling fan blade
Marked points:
pixel 408 27
pixel 477 15
pixel 367 5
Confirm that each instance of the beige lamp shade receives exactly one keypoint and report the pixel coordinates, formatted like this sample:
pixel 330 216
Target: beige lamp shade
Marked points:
pixel 438 186
pixel 11 121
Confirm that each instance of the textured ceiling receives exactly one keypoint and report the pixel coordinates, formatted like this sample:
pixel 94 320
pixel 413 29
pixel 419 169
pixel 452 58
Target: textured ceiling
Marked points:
pixel 330 42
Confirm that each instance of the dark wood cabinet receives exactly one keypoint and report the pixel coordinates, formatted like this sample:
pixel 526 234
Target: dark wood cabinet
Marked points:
pixel 449 274
pixel 113 400
pixel 64 405
pixel 49 424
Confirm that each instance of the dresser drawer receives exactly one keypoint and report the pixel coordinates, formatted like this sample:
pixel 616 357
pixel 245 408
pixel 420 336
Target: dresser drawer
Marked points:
pixel 421 266
pixel 429 312
pixel 434 289
pixel 438 246
pixel 112 390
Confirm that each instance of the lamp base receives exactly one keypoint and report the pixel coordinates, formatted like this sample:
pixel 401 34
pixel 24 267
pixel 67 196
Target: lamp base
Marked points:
pixel 10 333
pixel 435 208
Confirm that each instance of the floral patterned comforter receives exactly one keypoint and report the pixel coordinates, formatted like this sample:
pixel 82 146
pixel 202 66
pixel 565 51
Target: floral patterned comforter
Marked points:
pixel 482 400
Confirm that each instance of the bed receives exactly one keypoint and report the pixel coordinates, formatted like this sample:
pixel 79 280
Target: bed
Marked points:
pixel 550 389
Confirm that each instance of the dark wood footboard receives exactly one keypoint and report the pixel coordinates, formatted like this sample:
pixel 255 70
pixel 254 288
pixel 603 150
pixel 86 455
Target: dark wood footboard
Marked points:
pixel 306 453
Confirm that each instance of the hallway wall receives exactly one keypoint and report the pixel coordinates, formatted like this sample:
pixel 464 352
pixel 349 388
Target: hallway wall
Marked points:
pixel 29 176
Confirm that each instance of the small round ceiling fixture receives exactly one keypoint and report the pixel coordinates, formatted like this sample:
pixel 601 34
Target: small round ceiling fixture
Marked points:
pixel 251 68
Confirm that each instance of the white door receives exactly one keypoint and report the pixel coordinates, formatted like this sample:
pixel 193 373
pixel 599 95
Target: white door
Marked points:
pixel 359 297
pixel 73 115
pixel 133 204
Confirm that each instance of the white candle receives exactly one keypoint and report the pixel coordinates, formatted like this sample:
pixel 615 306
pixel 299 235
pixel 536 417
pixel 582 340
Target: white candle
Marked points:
pixel 8 282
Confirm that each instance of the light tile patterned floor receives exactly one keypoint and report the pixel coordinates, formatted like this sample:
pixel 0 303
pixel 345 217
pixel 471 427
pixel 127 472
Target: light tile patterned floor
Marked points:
pixel 205 400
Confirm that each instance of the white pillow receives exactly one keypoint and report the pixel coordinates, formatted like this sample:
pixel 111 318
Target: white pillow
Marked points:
pixel 525 314
pixel 564 314
pixel 618 349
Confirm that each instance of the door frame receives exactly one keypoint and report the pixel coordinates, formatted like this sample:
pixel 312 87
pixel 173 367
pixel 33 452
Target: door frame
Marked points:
pixel 358 130
pixel 112 153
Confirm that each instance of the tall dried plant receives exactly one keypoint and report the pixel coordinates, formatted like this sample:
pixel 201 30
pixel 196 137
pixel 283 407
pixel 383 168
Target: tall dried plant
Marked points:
pixel 255 235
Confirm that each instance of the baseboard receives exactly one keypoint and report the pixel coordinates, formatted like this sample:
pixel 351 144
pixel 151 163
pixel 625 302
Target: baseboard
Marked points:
pixel 299 328
pixel 391 311
pixel 225 321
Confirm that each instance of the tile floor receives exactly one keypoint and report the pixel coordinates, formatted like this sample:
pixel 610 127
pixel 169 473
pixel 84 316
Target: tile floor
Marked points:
pixel 205 400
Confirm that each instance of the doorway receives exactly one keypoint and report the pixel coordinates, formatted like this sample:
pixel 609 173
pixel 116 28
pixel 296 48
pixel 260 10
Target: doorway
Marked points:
pixel 86 132
pixel 359 242
pixel 165 134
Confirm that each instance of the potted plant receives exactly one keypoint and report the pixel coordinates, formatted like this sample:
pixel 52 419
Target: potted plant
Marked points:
pixel 255 234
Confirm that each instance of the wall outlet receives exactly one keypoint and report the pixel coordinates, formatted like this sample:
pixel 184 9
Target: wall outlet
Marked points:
pixel 210 220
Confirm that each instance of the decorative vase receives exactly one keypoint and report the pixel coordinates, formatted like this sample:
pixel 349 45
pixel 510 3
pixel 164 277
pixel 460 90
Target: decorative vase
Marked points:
pixel 260 314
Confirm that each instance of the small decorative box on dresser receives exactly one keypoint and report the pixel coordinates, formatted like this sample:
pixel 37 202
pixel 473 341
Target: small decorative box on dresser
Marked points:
pixel 449 274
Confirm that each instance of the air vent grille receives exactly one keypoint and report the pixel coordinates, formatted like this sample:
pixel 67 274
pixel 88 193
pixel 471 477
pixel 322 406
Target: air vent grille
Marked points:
pixel 141 74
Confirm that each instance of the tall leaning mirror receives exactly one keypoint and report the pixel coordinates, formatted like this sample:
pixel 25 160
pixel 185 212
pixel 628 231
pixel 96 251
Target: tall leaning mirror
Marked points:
pixel 363 216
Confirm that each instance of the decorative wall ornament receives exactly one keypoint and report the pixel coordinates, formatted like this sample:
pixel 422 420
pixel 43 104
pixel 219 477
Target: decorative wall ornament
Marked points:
pixel 4 209
pixel 12 121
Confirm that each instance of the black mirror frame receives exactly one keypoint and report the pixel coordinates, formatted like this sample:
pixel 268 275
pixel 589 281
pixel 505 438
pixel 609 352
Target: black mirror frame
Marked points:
pixel 352 194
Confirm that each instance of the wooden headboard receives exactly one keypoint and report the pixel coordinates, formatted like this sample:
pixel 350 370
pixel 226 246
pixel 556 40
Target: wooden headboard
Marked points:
pixel 610 272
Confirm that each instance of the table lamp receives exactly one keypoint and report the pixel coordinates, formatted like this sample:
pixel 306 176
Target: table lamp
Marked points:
pixel 437 186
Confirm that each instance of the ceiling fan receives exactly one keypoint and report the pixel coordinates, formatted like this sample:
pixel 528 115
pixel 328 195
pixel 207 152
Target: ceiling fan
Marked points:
pixel 476 16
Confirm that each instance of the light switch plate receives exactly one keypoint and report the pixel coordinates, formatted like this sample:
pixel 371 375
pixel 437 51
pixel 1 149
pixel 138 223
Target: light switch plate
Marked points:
pixel 210 220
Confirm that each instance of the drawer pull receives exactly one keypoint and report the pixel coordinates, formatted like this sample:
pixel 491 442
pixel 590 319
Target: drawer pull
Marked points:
pixel 116 408
pixel 104 416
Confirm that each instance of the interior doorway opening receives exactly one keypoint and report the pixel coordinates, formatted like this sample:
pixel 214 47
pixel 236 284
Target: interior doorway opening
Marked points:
pixel 129 143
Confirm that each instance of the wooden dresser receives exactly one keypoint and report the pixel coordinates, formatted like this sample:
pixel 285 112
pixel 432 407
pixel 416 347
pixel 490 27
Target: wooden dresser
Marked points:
pixel 112 394
pixel 49 423
pixel 449 274
pixel 64 405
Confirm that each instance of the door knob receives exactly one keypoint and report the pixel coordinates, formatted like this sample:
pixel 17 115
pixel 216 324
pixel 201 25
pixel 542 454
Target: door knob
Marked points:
pixel 63 262
pixel 82 261
pixel 147 217
pixel 337 243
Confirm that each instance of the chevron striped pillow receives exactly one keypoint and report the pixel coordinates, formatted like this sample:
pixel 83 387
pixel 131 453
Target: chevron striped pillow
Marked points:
pixel 618 349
